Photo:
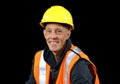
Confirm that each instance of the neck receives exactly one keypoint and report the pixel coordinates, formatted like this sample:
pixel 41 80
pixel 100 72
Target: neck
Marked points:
pixel 57 55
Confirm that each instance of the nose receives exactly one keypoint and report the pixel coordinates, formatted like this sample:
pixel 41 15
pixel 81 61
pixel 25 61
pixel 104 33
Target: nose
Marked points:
pixel 53 35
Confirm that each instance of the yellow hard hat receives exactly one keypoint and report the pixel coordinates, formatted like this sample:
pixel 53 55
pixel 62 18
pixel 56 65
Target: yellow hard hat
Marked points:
pixel 57 14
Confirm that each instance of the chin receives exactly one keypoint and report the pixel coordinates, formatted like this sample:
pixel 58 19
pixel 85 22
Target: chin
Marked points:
pixel 53 50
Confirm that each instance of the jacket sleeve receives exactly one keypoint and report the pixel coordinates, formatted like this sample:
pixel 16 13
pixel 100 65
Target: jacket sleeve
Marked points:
pixel 31 79
pixel 82 73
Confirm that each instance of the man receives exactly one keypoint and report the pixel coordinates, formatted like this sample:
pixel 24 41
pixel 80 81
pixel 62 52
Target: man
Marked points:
pixel 61 62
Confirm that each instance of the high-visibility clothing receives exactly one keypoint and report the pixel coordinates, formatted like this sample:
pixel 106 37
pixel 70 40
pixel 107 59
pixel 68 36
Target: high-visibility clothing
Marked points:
pixel 42 69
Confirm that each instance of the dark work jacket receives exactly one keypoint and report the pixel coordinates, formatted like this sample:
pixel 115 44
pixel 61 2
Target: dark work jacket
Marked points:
pixel 80 74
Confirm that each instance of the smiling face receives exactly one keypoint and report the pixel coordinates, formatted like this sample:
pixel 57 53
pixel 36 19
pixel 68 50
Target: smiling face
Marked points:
pixel 56 36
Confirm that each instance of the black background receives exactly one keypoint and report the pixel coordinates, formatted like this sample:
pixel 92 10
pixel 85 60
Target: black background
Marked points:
pixel 94 34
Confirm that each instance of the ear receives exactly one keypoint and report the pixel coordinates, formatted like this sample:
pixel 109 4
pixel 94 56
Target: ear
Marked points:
pixel 68 34
pixel 44 33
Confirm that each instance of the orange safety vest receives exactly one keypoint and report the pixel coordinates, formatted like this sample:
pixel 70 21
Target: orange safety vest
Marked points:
pixel 42 69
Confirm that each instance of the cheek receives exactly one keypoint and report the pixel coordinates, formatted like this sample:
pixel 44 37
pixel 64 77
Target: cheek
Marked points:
pixel 66 36
pixel 45 36
pixel 63 38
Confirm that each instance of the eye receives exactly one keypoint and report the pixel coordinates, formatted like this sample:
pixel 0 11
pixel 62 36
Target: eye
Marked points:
pixel 58 31
pixel 47 30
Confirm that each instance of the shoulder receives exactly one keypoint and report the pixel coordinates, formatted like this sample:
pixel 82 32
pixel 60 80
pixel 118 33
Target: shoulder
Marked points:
pixel 39 51
pixel 37 54
pixel 82 61
pixel 82 66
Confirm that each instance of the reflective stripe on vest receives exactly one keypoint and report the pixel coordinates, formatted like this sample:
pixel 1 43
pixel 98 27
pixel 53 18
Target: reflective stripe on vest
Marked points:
pixel 42 66
pixel 68 60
